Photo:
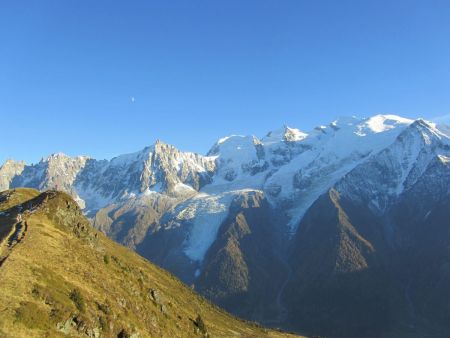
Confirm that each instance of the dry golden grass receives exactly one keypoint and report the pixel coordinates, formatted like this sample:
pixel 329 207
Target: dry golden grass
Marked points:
pixel 54 269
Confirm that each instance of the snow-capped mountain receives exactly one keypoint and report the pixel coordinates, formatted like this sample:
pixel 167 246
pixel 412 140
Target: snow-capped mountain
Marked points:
pixel 247 222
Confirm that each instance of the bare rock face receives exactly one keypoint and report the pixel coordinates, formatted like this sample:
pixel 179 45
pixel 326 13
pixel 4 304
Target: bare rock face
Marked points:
pixel 129 222
pixel 58 171
pixel 170 167
pixel 8 171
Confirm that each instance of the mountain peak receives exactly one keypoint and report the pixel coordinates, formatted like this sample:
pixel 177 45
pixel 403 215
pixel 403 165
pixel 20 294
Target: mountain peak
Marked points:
pixel 285 134
pixel 381 123
pixel 229 144
pixel 163 146
pixel 293 134
pixel 160 142
pixel 56 157
pixel 11 162
pixel 427 130
pixel 53 156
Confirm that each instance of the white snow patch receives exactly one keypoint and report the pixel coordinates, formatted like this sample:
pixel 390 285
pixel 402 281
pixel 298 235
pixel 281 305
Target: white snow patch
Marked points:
pixel 93 199
pixel 181 188
pixel 148 192
pixel 444 159
pixel 381 123
pixel 206 214
pixel 226 138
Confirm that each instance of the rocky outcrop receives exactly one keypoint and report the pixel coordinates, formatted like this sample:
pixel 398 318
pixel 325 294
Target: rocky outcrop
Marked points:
pixel 8 171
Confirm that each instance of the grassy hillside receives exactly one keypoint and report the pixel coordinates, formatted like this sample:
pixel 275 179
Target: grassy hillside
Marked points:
pixel 60 277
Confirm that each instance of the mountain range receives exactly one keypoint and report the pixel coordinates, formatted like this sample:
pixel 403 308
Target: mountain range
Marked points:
pixel 341 231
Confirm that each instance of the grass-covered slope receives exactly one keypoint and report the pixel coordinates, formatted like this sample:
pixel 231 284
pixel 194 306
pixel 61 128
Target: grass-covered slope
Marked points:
pixel 60 277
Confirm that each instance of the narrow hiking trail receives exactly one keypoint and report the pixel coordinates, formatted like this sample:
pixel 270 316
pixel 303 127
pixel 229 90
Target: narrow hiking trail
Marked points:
pixel 14 227
pixel 14 237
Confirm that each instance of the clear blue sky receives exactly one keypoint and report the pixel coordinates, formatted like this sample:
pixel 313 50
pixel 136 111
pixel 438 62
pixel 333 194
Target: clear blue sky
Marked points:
pixel 199 70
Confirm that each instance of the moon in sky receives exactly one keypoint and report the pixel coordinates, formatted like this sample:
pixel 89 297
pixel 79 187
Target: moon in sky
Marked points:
pixel 132 99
